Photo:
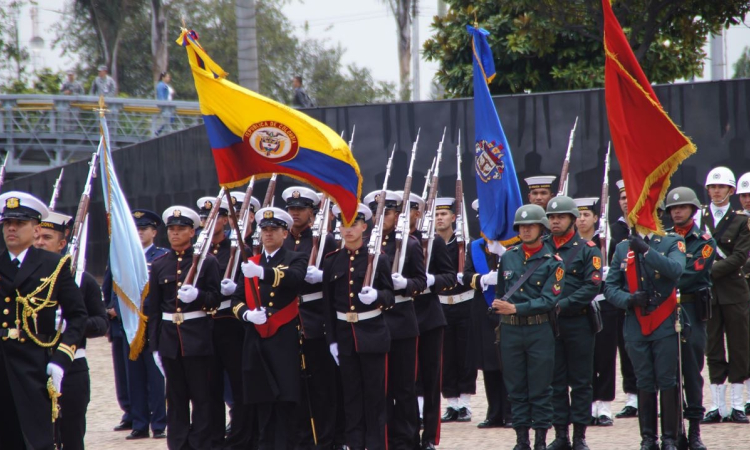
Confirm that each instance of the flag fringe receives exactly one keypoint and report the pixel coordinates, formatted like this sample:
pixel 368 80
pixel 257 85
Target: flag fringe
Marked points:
pixel 139 341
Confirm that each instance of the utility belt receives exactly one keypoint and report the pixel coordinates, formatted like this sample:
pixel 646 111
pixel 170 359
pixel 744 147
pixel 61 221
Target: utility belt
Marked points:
pixel 354 317
pixel 582 312
pixel 21 336
pixel 311 297
pixel 702 301
pixel 179 317
pixel 516 320
pixel 458 298
pixel 402 299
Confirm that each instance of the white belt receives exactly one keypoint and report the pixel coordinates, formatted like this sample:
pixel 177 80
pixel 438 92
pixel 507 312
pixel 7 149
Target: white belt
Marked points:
pixel 453 299
pixel 402 299
pixel 353 317
pixel 178 318
pixel 224 305
pixel 311 297
pixel 80 353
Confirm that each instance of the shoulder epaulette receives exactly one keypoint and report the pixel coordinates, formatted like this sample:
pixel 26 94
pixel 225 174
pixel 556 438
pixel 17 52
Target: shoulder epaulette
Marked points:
pixel 557 257
pixel 741 211
pixel 591 243
pixel 706 236
pixel 160 256
pixel 331 253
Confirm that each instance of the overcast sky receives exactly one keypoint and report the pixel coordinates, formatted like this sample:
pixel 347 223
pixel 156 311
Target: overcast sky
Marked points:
pixel 365 28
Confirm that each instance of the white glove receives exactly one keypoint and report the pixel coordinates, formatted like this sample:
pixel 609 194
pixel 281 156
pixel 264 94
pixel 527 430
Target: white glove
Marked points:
pixel 256 316
pixel 605 271
pixel 157 361
pixel 496 247
pixel 334 348
pixel 187 293
pixel 599 297
pixel 228 287
pixel 314 275
pixel 56 373
pixel 399 282
pixel 252 270
pixel 460 278
pixel 489 279
pixel 430 280
pixel 368 295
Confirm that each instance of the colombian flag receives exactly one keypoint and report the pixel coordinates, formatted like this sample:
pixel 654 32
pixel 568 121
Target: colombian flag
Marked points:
pixel 648 144
pixel 254 135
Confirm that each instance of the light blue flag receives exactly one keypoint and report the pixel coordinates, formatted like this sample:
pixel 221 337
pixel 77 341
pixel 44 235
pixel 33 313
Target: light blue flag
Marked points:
pixel 127 261
pixel 497 184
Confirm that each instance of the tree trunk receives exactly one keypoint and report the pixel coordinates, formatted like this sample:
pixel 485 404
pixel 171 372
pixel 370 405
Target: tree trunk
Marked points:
pixel 159 48
pixel 247 45
pixel 403 21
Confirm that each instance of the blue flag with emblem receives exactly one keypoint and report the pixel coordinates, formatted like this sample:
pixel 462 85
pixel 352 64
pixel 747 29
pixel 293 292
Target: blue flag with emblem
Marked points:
pixel 126 258
pixel 497 184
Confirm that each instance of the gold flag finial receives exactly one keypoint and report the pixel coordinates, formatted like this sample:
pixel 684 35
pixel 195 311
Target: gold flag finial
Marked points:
pixel 102 106
pixel 476 22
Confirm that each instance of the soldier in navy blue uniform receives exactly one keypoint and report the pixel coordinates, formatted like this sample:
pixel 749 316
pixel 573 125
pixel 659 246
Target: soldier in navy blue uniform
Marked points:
pixel 357 333
pixel 76 383
pixel 267 302
pixel 33 351
pixel 179 330
pixel 403 410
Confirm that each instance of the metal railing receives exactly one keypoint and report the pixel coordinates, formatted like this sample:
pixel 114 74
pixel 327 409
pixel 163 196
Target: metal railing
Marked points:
pixel 44 131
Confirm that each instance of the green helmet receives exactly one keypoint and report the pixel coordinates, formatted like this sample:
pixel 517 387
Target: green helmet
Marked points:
pixel 530 214
pixel 682 196
pixel 562 204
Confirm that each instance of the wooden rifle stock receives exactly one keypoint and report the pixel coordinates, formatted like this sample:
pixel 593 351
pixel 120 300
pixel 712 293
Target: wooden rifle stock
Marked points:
pixel 239 240
pixel 81 213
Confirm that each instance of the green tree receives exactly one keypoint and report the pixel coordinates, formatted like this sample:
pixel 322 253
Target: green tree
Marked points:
pixel 742 66
pixel 14 57
pixel 547 45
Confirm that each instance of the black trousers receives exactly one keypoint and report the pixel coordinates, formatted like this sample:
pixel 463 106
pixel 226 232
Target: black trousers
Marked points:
pixel 188 383
pixel 605 357
pixel 120 351
pixel 459 376
pixel 429 355
pixel 11 435
pixel 319 393
pixel 402 407
pixel 277 422
pixel 629 382
pixel 693 359
pixel 498 405
pixel 363 377
pixel 228 335
pixel 76 387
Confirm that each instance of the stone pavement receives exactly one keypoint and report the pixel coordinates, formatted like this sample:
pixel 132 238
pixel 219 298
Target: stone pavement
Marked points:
pixel 104 413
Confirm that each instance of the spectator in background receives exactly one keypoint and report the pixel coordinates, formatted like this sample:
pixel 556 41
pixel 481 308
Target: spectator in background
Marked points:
pixel 163 90
pixel 103 84
pixel 72 86
pixel 301 99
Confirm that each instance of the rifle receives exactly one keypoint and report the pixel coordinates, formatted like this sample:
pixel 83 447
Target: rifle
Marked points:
pixel 376 236
pixel 566 164
pixel 238 231
pixel 267 201
pixel 243 224
pixel 319 232
pixel 604 210
pixel 56 191
pixel 351 140
pixel 462 228
pixel 428 224
pixel 203 243
pixel 426 189
pixel 402 227
pixel 2 168
pixel 79 234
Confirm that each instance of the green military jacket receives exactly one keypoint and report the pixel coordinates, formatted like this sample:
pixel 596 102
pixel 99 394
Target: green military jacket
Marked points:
pixel 700 254
pixel 662 268
pixel 582 273
pixel 540 292
pixel 729 285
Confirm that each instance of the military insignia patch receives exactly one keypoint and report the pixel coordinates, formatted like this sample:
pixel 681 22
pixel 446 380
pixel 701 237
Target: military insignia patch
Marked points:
pixel 596 277
pixel 707 250
pixel 596 262
pixel 507 274
pixel 176 213
pixel 681 246
pixel 234 200
pixel 295 194
pixel 591 243
pixel 559 273
pixel 272 140
pixel 12 202
pixel 556 289
pixel 268 215
pixel 138 214
pixel 488 160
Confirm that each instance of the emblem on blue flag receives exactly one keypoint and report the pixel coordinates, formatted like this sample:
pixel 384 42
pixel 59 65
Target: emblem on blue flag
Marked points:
pixel 489 162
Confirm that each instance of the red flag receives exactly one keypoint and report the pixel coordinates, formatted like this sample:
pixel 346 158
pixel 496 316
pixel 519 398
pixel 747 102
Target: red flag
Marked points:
pixel 648 145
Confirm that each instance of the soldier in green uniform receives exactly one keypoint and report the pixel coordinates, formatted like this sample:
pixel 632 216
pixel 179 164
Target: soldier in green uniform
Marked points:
pixel 695 298
pixel 572 391
pixel 649 328
pixel 530 281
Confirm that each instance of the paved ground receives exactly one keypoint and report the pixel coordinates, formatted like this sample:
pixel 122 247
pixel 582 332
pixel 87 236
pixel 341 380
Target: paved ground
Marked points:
pixel 104 414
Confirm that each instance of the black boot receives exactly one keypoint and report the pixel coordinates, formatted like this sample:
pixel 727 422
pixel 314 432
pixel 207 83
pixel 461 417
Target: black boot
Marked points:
pixel 647 420
pixel 562 438
pixel 668 404
pixel 694 436
pixel 579 437
pixel 522 439
pixel 540 439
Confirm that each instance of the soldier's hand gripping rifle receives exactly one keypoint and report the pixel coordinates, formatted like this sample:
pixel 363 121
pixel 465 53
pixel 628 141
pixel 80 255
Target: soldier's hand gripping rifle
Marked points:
pixel 402 226
pixel 376 236
pixel 428 224
pixel 267 201
pixel 2 168
pixel 564 175
pixel 243 222
pixel 319 232
pixel 79 234
pixel 203 243
pixel 462 227
pixel 56 191
pixel 604 210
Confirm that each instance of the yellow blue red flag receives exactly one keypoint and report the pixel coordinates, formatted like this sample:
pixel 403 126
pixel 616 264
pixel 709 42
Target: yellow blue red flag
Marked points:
pixel 252 135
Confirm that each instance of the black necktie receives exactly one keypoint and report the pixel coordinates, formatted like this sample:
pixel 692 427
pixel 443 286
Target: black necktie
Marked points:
pixel 16 262
pixel 268 258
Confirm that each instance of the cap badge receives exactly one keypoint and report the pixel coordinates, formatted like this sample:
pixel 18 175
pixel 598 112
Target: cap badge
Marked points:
pixel 717 175
pixel 12 202
pixel 377 197
pixel 234 200
pixel 554 205
pixel 745 183
pixel 138 214
pixel 176 213
pixel 295 194
pixel 676 196
pixel 524 214
pixel 207 205
pixel 268 215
